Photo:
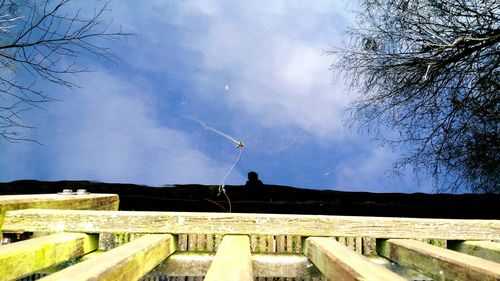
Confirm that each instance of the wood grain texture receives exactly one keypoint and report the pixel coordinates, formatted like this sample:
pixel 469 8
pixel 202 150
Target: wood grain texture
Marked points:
pixel 337 262
pixel 55 201
pixel 263 265
pixel 283 265
pixel 22 258
pixel 482 249
pixel 438 262
pixel 130 261
pixel 262 224
pixel 232 260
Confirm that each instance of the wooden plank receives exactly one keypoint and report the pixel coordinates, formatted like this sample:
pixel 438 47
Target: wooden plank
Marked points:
pixel 438 262
pixel 254 243
pixel 92 255
pixel 130 261
pixel 68 263
pixel 342 240
pixel 217 241
pixel 234 223
pixel 369 246
pixel 182 242
pixel 482 249
pixel 22 258
pixel 263 265
pixel 232 260
pixel 280 244
pixel 90 201
pixel 283 265
pixel 405 272
pixel 262 248
pixel 185 264
pixel 191 242
pixel 210 242
pixel 56 201
pixel 201 243
pixel 358 245
pixel 337 262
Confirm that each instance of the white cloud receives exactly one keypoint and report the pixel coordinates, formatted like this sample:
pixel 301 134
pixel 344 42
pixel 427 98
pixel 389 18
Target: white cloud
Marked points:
pixel 371 170
pixel 110 132
pixel 281 75
pixel 280 97
pixel 273 52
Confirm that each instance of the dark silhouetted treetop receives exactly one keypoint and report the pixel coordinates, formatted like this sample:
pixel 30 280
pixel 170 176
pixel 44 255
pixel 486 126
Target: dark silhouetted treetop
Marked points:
pixel 429 70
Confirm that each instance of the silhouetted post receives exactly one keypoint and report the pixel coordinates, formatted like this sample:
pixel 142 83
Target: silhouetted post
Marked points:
pixel 253 180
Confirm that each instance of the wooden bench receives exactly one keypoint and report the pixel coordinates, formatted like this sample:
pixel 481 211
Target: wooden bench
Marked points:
pixel 231 246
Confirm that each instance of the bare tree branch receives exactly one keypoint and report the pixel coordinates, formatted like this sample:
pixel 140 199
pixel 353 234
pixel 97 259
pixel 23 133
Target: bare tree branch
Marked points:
pixel 429 70
pixel 37 39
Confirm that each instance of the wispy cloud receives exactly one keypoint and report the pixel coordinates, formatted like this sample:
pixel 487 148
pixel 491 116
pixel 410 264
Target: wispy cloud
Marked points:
pixel 110 132
pixel 281 76
pixel 129 122
pixel 271 54
pixel 371 170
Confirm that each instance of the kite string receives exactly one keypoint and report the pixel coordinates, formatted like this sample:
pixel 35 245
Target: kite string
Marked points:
pixel 222 185
pixel 206 127
pixel 240 146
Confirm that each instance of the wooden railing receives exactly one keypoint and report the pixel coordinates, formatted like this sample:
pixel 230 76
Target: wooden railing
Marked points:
pixel 119 245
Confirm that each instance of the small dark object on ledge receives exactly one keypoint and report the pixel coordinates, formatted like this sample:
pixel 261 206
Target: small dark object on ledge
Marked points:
pixel 253 180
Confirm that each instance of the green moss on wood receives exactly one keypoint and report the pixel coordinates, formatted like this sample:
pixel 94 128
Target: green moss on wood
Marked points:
pixel 22 258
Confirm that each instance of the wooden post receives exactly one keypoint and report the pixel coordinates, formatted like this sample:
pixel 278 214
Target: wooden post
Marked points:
pixel 22 258
pixel 247 224
pixel 232 260
pixel 130 261
pixel 438 262
pixel 482 249
pixel 337 262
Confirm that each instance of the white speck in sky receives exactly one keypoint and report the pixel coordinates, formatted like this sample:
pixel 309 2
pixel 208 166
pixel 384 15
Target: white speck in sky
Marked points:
pixel 227 87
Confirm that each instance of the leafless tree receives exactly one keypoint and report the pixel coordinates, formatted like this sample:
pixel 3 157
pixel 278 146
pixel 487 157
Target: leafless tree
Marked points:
pixel 42 41
pixel 429 70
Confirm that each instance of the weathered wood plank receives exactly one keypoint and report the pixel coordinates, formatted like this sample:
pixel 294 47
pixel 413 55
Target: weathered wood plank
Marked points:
pixel 405 272
pixel 182 242
pixel 22 258
pixel 186 264
pixel 283 265
pixel 56 201
pixel 358 245
pixel 92 255
pixel 217 241
pixel 191 242
pixel 254 243
pixel 280 244
pixel 263 265
pixel 337 262
pixel 210 242
pixel 482 249
pixel 233 223
pixel 369 246
pixel 130 261
pixel 232 260
pixel 438 262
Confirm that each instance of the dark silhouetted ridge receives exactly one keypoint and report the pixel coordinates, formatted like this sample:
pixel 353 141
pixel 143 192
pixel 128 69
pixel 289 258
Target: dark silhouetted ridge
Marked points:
pixel 277 199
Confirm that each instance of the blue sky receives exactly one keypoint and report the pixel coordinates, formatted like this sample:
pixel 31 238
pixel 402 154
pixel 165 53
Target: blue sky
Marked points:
pixel 255 70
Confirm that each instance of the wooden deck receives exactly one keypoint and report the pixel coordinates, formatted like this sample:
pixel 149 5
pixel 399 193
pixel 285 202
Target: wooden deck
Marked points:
pixel 94 241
